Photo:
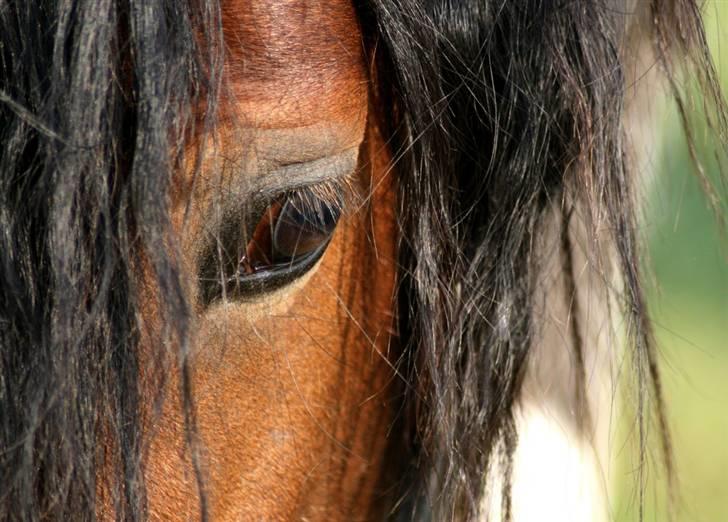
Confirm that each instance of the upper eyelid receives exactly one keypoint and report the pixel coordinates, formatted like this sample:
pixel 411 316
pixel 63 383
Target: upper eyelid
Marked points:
pixel 243 194
pixel 279 176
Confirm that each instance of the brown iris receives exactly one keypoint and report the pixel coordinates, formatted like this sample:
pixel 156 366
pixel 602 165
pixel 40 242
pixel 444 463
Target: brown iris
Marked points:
pixel 292 230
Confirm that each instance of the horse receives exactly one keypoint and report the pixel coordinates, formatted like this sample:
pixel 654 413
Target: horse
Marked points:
pixel 456 183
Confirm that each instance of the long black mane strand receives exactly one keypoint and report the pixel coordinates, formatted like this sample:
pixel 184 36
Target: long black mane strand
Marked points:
pixel 93 107
pixel 501 111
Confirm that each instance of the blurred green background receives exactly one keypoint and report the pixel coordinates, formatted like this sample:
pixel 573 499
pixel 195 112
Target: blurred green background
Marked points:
pixel 688 298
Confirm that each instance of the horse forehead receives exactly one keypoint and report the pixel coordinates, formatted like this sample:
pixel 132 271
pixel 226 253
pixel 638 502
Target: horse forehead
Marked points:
pixel 301 58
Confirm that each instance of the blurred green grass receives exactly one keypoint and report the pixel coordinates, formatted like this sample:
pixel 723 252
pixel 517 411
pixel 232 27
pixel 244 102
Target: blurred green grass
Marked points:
pixel 689 304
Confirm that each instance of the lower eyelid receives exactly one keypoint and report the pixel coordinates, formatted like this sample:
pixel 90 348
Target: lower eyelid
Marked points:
pixel 261 283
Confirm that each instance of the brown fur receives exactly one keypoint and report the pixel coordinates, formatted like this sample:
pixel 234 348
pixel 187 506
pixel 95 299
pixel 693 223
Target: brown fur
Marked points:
pixel 292 390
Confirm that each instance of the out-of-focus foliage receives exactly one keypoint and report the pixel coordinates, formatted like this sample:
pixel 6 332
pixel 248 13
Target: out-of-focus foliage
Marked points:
pixel 688 258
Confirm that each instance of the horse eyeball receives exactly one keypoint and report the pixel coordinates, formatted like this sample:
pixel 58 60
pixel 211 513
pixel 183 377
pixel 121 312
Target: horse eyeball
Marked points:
pixel 301 228
pixel 290 230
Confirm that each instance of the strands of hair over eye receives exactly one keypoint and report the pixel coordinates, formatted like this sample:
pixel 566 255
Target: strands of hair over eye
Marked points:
pixel 495 108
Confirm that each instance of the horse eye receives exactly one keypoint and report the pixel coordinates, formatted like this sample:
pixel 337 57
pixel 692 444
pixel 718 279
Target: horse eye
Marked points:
pixel 290 236
pixel 273 241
